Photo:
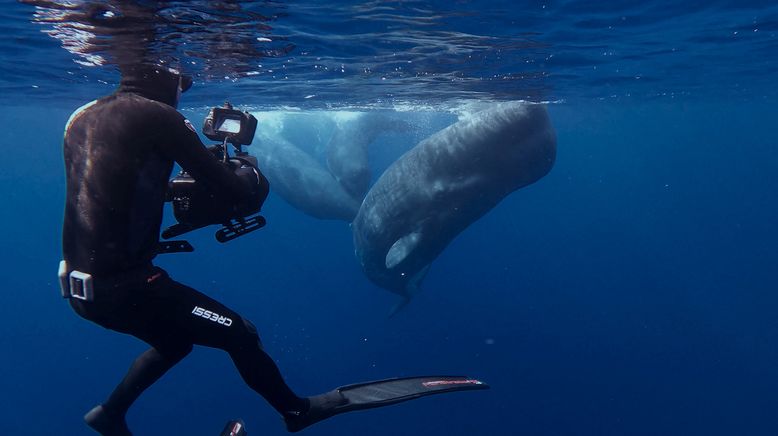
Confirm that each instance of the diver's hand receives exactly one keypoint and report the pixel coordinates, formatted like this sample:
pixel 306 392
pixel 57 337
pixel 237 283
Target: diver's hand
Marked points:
pixel 256 187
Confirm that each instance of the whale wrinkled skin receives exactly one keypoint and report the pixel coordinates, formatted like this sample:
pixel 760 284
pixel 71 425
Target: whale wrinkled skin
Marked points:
pixel 347 150
pixel 444 184
pixel 296 174
pixel 302 181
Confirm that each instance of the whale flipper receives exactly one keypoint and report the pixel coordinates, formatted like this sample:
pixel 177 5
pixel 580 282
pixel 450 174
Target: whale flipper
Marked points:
pixel 401 249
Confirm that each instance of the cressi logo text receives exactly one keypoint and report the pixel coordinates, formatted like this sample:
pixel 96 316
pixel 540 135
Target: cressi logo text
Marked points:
pixel 211 316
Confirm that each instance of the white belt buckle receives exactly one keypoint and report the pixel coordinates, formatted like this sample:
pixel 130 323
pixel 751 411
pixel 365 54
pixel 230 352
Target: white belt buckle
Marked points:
pixel 81 286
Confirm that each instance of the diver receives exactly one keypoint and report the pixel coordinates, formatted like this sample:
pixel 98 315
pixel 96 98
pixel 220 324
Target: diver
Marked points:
pixel 119 152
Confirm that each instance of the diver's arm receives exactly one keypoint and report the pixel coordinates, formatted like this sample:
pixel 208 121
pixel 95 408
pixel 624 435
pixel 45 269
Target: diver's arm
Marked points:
pixel 184 146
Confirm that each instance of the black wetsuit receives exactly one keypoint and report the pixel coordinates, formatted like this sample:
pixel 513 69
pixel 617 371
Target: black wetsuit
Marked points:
pixel 119 153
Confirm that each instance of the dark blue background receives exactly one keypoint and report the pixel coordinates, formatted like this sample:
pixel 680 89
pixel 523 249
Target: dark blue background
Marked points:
pixel 631 291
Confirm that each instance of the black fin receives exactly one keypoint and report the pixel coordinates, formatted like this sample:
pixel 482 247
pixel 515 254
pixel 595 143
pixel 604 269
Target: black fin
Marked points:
pixel 378 393
pixel 235 427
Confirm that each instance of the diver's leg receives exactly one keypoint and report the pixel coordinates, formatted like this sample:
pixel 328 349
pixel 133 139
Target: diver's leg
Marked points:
pixel 147 321
pixel 210 323
pixel 145 371
pixel 109 418
pixel 261 374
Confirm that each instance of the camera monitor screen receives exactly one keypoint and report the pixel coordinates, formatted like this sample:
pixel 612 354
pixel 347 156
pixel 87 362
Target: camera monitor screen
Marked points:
pixel 229 125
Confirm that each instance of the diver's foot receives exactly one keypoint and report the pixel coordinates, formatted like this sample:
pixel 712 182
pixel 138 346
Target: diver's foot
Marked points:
pixel 321 407
pixel 106 423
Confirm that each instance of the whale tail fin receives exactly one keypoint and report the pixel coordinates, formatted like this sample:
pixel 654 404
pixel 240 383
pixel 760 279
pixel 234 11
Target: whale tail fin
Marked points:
pixel 412 288
pixel 399 306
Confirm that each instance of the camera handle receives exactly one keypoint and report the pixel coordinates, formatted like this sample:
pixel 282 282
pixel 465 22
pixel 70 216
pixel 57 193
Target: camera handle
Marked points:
pixel 230 230
pixel 239 227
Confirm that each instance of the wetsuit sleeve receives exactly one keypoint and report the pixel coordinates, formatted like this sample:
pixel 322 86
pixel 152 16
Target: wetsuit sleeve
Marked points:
pixel 184 146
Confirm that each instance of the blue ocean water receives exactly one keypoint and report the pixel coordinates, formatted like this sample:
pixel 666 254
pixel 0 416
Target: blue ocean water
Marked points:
pixel 632 291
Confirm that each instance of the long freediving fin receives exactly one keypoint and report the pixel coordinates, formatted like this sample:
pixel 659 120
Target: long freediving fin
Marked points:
pixel 378 393
pixel 234 428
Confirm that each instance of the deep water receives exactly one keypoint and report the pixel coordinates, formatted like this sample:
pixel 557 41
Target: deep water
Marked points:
pixel 632 291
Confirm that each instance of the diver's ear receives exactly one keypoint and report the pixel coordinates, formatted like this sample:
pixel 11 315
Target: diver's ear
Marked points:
pixel 185 82
pixel 179 90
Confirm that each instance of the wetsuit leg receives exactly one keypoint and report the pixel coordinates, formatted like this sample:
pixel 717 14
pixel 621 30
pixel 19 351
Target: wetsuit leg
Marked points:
pixel 171 317
pixel 145 371
pixel 109 418
pixel 205 321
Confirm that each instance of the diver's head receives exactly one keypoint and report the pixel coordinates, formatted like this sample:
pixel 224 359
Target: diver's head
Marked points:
pixel 155 82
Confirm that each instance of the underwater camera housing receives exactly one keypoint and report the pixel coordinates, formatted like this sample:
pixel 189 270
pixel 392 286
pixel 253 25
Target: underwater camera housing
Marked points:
pixel 230 125
pixel 194 206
